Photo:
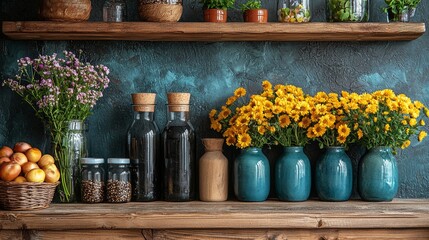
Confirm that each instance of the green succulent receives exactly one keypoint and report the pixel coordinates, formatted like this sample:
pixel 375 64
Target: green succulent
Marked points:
pixel 251 4
pixel 217 4
pixel 398 6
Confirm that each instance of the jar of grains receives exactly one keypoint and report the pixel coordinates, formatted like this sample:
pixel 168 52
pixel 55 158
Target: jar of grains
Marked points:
pixel 92 184
pixel 118 180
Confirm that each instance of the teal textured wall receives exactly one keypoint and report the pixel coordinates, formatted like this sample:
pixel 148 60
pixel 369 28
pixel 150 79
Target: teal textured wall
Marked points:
pixel 211 72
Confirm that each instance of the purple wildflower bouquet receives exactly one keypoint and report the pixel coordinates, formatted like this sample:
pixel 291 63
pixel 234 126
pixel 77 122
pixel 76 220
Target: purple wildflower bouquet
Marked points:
pixel 59 90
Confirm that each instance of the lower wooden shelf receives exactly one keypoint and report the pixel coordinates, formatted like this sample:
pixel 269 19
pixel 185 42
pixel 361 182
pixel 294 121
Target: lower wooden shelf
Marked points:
pixel 399 219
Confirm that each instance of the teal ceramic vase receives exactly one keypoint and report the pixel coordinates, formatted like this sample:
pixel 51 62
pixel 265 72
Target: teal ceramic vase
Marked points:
pixel 292 175
pixel 334 175
pixel 378 175
pixel 251 175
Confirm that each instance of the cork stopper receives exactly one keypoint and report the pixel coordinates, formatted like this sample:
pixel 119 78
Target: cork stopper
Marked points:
pixel 178 102
pixel 143 102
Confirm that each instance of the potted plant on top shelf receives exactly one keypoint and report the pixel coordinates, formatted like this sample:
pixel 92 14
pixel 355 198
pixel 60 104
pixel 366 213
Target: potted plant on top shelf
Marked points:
pixel 253 11
pixel 216 10
pixel 400 10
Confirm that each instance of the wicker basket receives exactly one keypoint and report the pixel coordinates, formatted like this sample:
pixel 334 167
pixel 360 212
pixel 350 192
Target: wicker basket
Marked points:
pixel 26 196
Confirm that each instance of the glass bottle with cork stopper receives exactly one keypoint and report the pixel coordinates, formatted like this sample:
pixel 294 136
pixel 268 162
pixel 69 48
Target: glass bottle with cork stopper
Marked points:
pixel 143 148
pixel 179 150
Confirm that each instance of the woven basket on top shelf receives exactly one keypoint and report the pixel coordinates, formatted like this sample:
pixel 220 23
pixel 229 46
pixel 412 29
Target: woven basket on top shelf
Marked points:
pixel 26 195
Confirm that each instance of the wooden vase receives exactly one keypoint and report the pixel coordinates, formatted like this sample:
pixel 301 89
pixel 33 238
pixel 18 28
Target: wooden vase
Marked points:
pixel 65 10
pixel 213 171
pixel 256 15
pixel 215 15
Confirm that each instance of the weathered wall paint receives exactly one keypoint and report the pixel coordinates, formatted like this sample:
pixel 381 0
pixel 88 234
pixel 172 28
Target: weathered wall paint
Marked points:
pixel 211 72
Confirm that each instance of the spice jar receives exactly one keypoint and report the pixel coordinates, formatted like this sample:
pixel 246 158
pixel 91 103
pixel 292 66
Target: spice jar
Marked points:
pixel 92 184
pixel 143 148
pixel 294 11
pixel 118 180
pixel 179 150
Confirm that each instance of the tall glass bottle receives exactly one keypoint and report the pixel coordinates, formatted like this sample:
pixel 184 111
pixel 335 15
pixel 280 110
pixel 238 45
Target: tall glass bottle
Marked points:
pixel 143 148
pixel 179 150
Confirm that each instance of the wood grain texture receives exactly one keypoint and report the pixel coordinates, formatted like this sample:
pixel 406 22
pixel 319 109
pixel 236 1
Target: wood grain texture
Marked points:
pixel 73 234
pixel 203 31
pixel 398 214
pixel 292 234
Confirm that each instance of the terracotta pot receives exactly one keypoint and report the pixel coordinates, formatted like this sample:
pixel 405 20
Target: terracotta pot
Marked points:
pixel 65 10
pixel 215 15
pixel 256 15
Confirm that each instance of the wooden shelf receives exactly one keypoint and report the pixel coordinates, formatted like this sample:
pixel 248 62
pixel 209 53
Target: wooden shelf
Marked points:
pixel 399 219
pixel 202 31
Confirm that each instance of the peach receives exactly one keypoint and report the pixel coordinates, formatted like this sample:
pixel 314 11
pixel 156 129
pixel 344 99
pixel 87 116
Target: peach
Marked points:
pixel 19 158
pixel 46 160
pixel 33 154
pixel 6 151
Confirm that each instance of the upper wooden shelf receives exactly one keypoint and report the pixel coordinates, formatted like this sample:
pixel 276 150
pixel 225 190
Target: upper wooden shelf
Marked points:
pixel 202 31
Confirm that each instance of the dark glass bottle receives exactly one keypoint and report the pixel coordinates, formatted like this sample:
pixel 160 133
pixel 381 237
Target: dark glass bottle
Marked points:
pixel 179 150
pixel 143 148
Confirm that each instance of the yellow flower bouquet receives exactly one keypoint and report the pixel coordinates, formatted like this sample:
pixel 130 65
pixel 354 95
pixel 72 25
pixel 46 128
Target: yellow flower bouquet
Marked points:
pixel 328 123
pixel 383 118
pixel 293 116
pixel 245 124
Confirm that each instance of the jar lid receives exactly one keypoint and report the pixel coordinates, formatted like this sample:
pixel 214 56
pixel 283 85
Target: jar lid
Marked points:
pixel 92 160
pixel 118 160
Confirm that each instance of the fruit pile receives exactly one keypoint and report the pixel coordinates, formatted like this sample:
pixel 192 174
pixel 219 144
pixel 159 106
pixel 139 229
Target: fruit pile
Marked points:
pixel 25 163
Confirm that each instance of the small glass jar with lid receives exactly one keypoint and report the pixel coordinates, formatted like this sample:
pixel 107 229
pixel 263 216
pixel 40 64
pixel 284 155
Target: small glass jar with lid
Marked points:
pixel 92 183
pixel 118 187
pixel 294 11
pixel 347 10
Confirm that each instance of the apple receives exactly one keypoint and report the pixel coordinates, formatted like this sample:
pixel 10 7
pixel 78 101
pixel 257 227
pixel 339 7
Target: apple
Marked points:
pixel 6 151
pixel 46 160
pixel 20 179
pixel 35 175
pixel 19 158
pixel 52 173
pixel 28 166
pixel 21 147
pixel 4 159
pixel 33 154
pixel 9 171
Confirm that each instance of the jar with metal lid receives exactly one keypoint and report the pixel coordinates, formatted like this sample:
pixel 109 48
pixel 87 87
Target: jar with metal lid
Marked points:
pixel 92 183
pixel 118 187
